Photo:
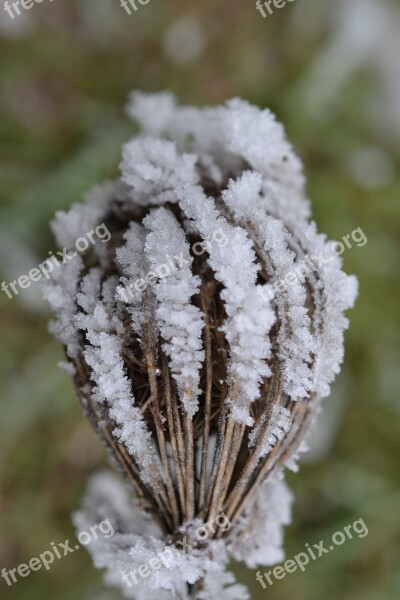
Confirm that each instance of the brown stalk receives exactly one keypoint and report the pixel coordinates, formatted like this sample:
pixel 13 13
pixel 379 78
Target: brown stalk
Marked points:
pixel 207 407
pixel 224 457
pixel 267 469
pixel 253 459
pixel 155 410
pixel 190 470
pixel 173 436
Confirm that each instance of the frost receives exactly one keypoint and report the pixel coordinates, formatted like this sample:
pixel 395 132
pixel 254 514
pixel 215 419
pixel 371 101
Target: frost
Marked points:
pixel 82 218
pixel 249 318
pixel 261 541
pixel 260 140
pixel 60 292
pixel 90 291
pixel 154 170
pixel 108 498
pixel 292 462
pixel 198 130
pixel 104 355
pixel 217 281
pixel 278 426
pixel 152 111
pixel 296 343
pixel 179 321
pixel 230 134
pixel 67 367
pixel 335 292
pixel 137 542
pixel 222 586
pixel 133 261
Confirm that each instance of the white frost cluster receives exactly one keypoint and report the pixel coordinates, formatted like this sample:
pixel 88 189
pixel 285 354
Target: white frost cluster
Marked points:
pixel 269 203
pixel 133 270
pixel 137 541
pixel 103 354
pixel 249 318
pixel 276 289
pixel 83 217
pixel 296 343
pixel 261 543
pixel 154 170
pixel 60 294
pixel 180 323
pixel 278 426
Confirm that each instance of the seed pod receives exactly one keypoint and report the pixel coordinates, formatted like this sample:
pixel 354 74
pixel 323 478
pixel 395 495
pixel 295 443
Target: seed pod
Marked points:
pixel 201 338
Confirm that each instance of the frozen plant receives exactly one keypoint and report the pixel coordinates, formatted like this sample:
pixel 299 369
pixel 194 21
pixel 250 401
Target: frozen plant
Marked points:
pixel 199 349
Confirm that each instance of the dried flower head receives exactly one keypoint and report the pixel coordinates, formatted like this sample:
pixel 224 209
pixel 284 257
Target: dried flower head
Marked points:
pixel 201 339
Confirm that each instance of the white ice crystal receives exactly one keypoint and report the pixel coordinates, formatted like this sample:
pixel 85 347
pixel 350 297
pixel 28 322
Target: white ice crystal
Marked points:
pixel 134 270
pixel 104 355
pixel 297 344
pixel 334 293
pixel 137 542
pixel 201 339
pixel 249 318
pixel 222 585
pixel 152 111
pixel 154 169
pixel 108 498
pixel 60 292
pixel 180 323
pixel 279 424
pixel 261 543
pixel 83 217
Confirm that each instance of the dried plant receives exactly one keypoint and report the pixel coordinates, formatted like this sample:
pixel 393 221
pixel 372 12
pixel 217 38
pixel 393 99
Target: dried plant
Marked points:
pixel 201 339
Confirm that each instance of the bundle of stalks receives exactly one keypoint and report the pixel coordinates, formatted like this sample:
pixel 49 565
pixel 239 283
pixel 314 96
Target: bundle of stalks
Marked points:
pixel 199 349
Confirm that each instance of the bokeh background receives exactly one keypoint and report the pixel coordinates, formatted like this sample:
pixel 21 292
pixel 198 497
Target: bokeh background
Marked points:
pixel 331 72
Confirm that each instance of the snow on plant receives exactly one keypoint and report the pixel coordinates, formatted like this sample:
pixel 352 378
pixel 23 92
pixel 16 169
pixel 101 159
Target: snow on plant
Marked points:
pixel 203 383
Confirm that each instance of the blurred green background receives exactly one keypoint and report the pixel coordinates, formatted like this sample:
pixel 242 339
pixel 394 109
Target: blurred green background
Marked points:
pixel 331 72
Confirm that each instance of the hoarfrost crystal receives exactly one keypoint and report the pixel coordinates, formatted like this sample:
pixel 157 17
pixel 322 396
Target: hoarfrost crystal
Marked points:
pixel 201 340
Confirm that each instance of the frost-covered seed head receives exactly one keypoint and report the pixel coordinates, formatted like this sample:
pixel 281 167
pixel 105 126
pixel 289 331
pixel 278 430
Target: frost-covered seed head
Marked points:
pixel 201 339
